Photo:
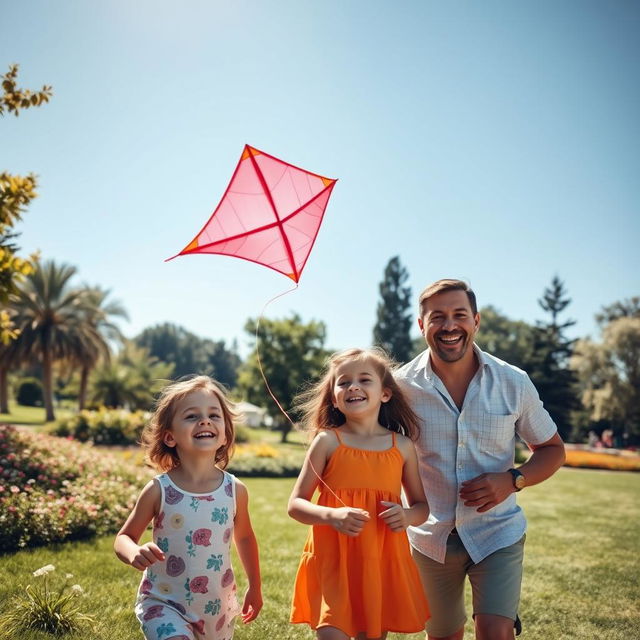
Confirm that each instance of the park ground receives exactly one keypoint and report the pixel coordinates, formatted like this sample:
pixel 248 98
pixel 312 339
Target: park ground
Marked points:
pixel 581 564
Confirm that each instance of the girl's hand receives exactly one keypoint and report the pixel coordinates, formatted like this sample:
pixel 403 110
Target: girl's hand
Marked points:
pixel 252 605
pixel 349 521
pixel 395 516
pixel 146 555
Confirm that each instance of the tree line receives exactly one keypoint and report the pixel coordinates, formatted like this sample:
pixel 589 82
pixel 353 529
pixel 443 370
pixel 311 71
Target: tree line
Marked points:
pixel 67 337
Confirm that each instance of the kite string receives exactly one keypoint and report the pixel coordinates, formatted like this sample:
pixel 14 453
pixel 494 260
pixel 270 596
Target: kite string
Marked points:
pixel 266 383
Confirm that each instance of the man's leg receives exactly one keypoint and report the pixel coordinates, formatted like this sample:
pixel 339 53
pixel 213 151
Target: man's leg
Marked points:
pixel 496 582
pixel 444 587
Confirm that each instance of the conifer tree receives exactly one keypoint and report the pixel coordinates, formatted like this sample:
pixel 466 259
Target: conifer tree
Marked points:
pixel 550 371
pixel 393 324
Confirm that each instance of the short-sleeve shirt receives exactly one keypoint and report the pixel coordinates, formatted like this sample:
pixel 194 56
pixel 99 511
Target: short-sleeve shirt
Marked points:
pixel 459 444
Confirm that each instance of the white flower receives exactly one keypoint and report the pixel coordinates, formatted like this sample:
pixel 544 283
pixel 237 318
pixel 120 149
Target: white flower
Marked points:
pixel 68 576
pixel 42 571
pixel 76 588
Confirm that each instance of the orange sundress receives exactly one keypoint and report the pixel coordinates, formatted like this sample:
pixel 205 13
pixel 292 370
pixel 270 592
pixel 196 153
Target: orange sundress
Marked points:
pixel 369 583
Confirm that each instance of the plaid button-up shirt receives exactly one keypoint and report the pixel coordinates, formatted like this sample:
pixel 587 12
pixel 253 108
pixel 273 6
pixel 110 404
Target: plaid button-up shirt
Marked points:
pixel 457 445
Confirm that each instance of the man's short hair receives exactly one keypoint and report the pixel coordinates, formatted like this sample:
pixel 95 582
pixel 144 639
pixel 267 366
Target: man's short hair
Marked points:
pixel 447 284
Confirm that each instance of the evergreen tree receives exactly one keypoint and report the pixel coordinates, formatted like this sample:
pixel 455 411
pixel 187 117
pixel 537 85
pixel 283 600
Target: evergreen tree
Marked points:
pixel 393 324
pixel 549 370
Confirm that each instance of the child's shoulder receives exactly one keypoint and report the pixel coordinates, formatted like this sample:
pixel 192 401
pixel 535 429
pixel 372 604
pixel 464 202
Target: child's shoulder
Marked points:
pixel 404 444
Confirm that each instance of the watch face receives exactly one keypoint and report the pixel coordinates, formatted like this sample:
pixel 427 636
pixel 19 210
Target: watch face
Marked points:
pixel 519 482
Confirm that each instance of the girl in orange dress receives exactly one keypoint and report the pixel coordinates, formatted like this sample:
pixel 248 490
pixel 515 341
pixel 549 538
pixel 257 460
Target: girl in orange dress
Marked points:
pixel 356 577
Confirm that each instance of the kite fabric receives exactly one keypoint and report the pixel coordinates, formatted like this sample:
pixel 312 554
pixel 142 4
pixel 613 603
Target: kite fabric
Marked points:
pixel 270 214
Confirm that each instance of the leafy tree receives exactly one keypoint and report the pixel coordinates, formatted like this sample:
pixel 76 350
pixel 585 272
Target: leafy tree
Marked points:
pixel 291 354
pixel 629 308
pixel 13 99
pixel 393 323
pixel 16 192
pixel 131 380
pixel 190 353
pixel 509 340
pixel 549 368
pixel 609 376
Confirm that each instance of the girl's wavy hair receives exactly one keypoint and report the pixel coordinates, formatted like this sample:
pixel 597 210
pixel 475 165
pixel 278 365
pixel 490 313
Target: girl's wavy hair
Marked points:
pixel 315 404
pixel 165 458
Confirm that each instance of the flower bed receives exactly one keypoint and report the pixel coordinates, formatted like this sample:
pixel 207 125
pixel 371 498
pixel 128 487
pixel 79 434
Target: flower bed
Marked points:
pixel 105 426
pixel 54 489
pixel 589 459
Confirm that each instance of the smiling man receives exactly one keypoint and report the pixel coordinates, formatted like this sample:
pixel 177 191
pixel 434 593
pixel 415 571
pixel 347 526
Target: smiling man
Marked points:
pixel 473 406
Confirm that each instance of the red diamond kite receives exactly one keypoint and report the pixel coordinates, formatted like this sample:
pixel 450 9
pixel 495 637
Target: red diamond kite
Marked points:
pixel 270 214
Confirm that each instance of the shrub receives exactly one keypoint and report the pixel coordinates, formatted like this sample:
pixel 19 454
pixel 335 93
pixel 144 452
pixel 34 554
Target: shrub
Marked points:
pixel 266 461
pixel 53 490
pixel 29 392
pixel 105 426
pixel 45 608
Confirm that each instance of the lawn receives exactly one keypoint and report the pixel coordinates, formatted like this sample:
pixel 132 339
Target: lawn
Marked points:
pixel 32 416
pixel 581 564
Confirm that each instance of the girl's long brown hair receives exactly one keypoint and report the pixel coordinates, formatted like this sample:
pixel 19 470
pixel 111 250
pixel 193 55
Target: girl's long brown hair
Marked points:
pixel 315 404
pixel 165 458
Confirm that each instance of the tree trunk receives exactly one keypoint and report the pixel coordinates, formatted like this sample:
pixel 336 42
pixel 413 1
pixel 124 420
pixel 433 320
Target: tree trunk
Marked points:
pixel 47 384
pixel 4 390
pixel 82 396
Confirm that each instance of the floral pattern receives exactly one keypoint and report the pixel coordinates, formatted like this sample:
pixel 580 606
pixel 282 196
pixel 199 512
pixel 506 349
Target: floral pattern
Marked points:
pixel 198 530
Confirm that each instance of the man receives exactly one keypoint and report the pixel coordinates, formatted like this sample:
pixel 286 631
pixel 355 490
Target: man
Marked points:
pixel 472 405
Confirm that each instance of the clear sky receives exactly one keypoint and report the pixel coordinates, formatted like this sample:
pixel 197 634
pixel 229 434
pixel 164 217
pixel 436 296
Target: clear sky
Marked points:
pixel 494 141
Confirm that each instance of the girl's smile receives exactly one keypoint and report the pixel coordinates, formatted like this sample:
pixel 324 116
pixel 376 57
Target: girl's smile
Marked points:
pixel 358 388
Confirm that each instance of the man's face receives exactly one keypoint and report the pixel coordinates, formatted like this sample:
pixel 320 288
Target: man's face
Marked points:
pixel 448 325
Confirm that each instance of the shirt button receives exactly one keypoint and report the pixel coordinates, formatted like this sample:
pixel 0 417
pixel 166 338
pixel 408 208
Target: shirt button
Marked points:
pixel 461 444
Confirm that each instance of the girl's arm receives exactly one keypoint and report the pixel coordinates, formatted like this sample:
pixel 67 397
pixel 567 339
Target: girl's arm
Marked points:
pixel 247 547
pixel 397 517
pixel 126 542
pixel 345 520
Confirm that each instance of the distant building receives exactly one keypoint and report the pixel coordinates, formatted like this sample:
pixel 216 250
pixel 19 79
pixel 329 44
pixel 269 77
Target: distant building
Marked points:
pixel 253 416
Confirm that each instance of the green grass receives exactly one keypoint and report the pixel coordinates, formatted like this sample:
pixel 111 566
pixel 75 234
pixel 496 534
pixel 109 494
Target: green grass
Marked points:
pixel 30 416
pixel 581 564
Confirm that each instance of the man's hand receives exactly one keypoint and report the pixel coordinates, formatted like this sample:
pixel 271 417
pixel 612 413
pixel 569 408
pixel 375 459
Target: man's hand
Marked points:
pixel 487 490
pixel 349 521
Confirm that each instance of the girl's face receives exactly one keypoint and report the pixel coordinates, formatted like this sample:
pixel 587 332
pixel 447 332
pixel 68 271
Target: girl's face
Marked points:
pixel 198 423
pixel 357 388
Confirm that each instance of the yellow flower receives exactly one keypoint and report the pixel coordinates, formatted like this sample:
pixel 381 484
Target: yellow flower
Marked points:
pixel 177 521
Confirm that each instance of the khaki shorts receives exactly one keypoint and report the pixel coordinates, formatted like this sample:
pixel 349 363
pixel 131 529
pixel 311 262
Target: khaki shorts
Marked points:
pixel 495 584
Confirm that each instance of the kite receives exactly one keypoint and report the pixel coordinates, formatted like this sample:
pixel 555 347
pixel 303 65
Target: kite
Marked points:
pixel 270 214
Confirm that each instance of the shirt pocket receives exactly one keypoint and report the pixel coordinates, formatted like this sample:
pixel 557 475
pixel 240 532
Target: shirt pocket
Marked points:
pixel 498 433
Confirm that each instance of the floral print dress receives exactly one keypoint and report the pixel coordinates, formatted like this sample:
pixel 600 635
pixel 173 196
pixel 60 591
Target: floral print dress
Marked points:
pixel 192 594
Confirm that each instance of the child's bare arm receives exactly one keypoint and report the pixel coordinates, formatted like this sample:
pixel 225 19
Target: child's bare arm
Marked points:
pixel 126 543
pixel 247 547
pixel 397 517
pixel 346 520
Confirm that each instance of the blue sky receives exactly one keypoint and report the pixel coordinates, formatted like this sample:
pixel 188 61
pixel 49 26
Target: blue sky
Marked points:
pixel 497 142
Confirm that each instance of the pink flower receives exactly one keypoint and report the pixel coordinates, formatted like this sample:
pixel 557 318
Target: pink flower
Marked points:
pixel 198 626
pixel 172 496
pixel 175 566
pixel 202 537
pixel 146 585
pixel 227 578
pixel 199 584
pixel 158 522
pixel 221 622
pixel 153 612
pixel 226 535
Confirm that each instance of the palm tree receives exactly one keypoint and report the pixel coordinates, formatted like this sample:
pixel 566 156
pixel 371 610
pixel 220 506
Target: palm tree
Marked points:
pixel 132 380
pixel 48 314
pixel 94 334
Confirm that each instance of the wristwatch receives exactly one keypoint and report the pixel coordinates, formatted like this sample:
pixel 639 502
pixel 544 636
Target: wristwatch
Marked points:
pixel 519 481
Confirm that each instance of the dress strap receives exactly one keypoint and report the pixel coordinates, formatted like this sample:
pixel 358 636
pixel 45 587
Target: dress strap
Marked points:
pixel 337 435
pixel 393 439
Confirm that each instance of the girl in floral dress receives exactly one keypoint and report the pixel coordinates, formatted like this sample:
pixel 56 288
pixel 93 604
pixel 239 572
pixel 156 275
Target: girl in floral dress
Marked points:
pixel 188 589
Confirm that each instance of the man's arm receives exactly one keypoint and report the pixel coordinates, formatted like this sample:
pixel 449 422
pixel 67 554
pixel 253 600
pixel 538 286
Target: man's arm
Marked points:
pixel 490 489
